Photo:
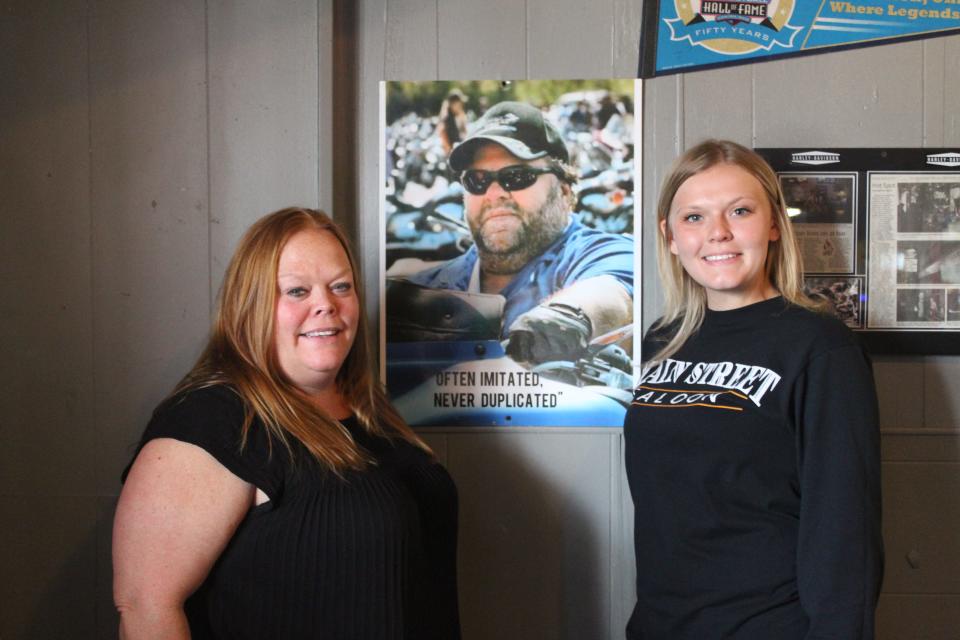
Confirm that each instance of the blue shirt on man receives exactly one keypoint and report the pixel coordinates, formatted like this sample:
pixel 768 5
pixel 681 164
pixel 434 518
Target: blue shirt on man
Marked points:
pixel 578 254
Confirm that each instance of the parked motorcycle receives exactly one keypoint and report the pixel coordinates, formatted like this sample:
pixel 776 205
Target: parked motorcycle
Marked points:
pixel 447 366
pixel 434 230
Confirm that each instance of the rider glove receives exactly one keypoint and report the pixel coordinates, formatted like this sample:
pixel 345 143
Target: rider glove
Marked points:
pixel 553 331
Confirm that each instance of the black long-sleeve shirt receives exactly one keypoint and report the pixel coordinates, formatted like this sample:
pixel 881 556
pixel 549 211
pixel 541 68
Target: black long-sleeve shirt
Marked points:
pixel 753 460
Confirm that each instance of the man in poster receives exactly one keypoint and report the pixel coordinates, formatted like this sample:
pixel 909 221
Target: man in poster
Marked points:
pixel 564 284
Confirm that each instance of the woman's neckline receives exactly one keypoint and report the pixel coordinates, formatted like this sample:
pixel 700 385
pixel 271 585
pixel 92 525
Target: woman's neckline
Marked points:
pixel 754 309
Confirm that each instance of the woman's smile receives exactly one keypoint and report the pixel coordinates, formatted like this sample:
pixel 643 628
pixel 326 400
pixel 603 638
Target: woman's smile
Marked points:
pixel 720 226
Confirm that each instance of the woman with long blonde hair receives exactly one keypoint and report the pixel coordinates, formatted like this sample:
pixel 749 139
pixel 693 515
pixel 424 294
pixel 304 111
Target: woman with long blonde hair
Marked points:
pixel 276 493
pixel 752 446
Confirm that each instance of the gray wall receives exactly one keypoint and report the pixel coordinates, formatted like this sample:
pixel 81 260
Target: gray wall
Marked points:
pixel 138 139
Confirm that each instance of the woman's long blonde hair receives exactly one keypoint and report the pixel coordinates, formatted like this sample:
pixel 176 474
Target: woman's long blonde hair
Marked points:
pixel 241 353
pixel 685 300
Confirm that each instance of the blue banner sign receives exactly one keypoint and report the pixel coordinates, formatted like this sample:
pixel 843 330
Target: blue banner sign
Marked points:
pixel 684 35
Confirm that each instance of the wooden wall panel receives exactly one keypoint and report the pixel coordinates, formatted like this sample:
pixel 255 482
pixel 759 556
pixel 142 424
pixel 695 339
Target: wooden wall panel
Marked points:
pixel 263 116
pixel 627 16
pixel 950 111
pixel 918 617
pixel 901 380
pixel 535 538
pixel 371 52
pixel 326 153
pixel 623 566
pixel 482 40
pixel 105 255
pixel 48 566
pixel 719 104
pixel 858 98
pixel 569 39
pixel 48 448
pixel 108 619
pixel 934 78
pixel 914 445
pixel 922 518
pixel 941 120
pixel 151 281
pixel 411 41
pixel 437 439
pixel 574 39
pixel 941 399
pixel 46 443
pixel 663 140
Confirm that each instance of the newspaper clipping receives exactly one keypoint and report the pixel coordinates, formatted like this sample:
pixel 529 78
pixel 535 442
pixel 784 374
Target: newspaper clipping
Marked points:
pixel 914 267
pixel 821 208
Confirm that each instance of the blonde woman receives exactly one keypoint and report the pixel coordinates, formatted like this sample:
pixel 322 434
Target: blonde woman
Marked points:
pixel 276 493
pixel 752 446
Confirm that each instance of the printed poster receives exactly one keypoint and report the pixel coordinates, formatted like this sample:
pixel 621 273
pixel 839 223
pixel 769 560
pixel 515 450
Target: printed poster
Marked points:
pixel 509 242
pixel 685 35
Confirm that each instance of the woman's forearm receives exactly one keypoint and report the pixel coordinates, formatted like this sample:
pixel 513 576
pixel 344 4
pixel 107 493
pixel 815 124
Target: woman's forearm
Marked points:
pixel 153 623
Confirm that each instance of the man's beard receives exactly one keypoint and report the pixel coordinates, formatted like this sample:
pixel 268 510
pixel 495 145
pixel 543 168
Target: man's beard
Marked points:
pixel 537 231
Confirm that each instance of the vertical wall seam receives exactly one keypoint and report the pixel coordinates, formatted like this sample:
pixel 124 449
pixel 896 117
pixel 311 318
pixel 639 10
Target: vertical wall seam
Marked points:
pixel 753 106
pixel 613 36
pixel 436 30
pixel 923 385
pixel 924 120
pixel 943 98
pixel 526 39
pixel 95 423
pixel 949 117
pixel 681 117
pixel 616 38
pixel 346 81
pixel 91 240
pixel 320 136
pixel 614 526
pixel 386 34
pixel 206 97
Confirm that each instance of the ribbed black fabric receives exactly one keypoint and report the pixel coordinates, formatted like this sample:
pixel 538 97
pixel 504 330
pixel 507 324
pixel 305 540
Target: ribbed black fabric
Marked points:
pixel 371 556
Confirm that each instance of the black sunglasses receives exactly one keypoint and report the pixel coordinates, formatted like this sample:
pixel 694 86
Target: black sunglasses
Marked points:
pixel 513 178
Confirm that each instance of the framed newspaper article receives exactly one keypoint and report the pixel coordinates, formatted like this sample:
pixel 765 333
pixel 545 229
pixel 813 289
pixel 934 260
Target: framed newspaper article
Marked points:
pixel 879 230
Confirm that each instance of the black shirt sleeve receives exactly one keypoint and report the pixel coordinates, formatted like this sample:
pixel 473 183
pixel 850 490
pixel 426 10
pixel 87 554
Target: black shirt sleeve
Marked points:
pixel 840 550
pixel 212 419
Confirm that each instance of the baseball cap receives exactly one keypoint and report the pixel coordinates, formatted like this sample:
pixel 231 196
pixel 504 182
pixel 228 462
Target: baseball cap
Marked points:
pixel 518 127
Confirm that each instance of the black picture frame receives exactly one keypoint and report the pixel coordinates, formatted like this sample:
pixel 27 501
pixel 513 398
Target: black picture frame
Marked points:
pixel 905 256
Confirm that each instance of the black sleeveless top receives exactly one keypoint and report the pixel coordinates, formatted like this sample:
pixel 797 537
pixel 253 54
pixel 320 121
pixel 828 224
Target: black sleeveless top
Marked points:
pixel 368 556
